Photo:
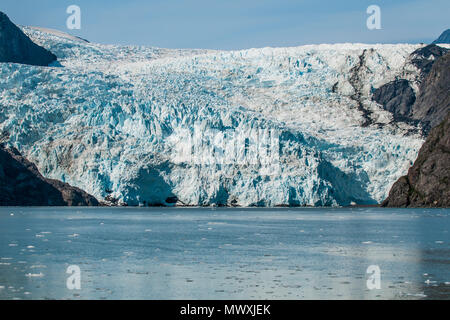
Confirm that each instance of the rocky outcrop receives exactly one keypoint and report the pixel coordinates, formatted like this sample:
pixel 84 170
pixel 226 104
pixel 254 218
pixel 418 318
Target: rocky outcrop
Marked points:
pixel 16 47
pixel 356 80
pixel 433 102
pixel 166 129
pixel 444 37
pixel 396 97
pixel 428 181
pixel 21 184
pixel 399 98
pixel 424 58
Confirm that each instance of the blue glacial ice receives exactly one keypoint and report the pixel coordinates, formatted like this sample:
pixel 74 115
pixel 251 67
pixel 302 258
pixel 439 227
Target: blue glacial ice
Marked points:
pixel 113 119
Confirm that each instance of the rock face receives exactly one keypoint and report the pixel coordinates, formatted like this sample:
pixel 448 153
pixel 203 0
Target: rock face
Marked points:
pixel 21 184
pixel 433 101
pixel 444 37
pixel 428 181
pixel 396 97
pixel 16 47
pixel 258 127
pixel 424 58
pixel 406 105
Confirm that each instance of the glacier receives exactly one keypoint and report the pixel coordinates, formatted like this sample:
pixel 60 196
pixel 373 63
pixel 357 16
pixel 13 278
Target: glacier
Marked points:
pixel 112 120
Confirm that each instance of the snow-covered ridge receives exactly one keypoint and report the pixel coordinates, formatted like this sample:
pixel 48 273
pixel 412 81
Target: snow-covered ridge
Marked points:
pixel 57 33
pixel 111 121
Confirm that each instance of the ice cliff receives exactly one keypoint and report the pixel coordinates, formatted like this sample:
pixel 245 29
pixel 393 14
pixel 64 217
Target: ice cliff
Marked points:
pixel 258 127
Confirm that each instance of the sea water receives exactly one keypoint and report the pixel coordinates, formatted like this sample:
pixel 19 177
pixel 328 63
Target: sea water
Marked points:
pixel 224 253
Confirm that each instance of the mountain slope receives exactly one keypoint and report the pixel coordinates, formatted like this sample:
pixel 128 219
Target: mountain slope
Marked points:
pixel 433 100
pixel 400 95
pixel 428 180
pixel 257 127
pixel 444 37
pixel 16 47
pixel 21 184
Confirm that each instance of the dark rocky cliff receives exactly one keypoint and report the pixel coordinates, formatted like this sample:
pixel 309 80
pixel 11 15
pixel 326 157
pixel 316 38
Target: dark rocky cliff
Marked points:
pixel 399 98
pixel 16 47
pixel 21 184
pixel 427 183
pixel 433 101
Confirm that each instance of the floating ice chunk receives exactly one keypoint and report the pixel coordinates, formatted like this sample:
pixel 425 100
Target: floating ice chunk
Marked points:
pixel 34 275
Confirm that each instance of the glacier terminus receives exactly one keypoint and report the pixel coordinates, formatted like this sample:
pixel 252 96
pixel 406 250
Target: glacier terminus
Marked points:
pixel 136 125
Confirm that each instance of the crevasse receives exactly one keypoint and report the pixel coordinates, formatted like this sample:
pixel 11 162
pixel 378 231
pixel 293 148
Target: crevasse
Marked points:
pixel 111 120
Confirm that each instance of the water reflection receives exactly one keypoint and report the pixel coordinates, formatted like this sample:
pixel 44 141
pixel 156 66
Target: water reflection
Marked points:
pixel 161 253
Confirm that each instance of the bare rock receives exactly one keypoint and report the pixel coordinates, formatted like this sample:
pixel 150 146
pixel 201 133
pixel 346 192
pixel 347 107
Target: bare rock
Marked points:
pixel 16 47
pixel 21 184
pixel 444 37
pixel 433 102
pixel 396 97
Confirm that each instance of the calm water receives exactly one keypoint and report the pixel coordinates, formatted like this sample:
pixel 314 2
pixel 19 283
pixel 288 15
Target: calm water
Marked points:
pixel 193 253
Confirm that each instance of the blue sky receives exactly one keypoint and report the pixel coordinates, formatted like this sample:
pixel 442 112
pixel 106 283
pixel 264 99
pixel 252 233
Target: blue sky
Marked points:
pixel 237 24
